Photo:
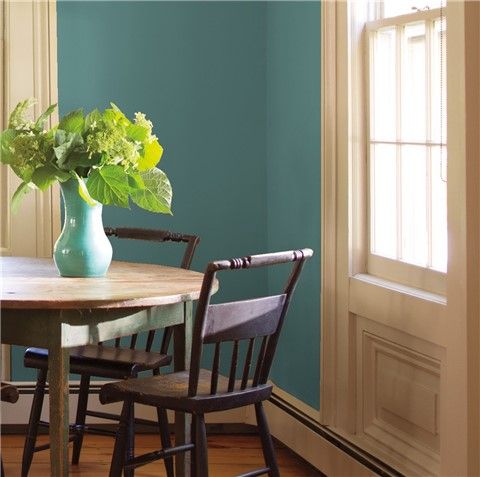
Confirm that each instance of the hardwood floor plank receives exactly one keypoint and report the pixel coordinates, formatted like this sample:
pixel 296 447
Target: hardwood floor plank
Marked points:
pixel 229 455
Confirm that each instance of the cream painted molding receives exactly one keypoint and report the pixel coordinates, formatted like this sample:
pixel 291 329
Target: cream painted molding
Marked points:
pixel 19 413
pixel 460 403
pixel 316 450
pixel 328 142
pixel 28 54
pixel 296 403
pixel 305 442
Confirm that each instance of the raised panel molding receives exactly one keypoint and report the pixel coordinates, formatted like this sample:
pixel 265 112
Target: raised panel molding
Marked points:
pixel 398 398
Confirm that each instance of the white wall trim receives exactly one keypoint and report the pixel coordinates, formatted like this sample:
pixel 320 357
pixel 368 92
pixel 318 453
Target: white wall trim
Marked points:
pixel 28 61
pixel 328 142
pixel 303 440
pixel 18 414
pixel 30 70
pixel 460 404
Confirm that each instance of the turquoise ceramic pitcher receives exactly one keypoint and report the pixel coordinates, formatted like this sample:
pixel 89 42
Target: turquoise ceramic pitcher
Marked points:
pixel 83 249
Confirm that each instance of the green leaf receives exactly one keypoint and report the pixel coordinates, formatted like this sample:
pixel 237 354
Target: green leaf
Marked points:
pixel 157 194
pixel 83 191
pixel 152 152
pixel 60 137
pixel 22 190
pixel 24 171
pixel 40 123
pixel 68 142
pixel 109 185
pixel 81 159
pixel 6 138
pixel 136 132
pixel 17 116
pixel 116 117
pixel 73 122
pixel 135 181
pixel 93 117
pixel 45 176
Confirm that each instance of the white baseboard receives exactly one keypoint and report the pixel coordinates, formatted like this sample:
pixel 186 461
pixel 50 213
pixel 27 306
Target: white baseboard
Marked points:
pixel 304 441
pixel 19 412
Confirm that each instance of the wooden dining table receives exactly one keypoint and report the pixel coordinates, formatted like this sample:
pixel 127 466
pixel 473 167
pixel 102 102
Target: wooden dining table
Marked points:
pixel 40 308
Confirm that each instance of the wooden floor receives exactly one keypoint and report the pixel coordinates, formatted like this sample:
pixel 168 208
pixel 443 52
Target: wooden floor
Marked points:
pixel 229 455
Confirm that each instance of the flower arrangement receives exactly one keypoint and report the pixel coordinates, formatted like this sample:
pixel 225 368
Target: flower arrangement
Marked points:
pixel 112 158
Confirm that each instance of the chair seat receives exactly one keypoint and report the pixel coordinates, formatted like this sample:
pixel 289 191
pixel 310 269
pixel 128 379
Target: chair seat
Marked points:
pixel 102 361
pixel 170 391
pixel 9 393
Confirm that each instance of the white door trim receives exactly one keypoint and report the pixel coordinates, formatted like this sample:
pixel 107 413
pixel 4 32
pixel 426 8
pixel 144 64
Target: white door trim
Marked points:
pixel 457 330
pixel 328 201
pixel 460 405
pixel 29 69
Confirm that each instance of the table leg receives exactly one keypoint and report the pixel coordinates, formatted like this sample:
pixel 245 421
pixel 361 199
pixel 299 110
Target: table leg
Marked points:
pixel 182 340
pixel 58 368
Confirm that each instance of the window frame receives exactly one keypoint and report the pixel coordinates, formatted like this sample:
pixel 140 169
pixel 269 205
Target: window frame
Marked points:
pixel 391 269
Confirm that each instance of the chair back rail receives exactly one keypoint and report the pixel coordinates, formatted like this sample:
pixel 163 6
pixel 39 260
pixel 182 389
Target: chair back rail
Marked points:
pixel 156 235
pixel 252 321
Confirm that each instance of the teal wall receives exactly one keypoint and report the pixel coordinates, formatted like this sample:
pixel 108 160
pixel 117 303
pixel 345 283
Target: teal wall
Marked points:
pixel 293 182
pixel 197 69
pixel 232 89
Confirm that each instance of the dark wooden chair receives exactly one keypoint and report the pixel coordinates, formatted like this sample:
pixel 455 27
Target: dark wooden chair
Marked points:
pixel 106 362
pixel 256 322
pixel 8 393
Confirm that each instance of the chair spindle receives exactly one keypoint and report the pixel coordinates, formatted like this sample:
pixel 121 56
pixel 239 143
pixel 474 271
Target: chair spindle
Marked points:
pixel 133 341
pixel 248 363
pixel 150 338
pixel 260 359
pixel 216 364
pixel 233 367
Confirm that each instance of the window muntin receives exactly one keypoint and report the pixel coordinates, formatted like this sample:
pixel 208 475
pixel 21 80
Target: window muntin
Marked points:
pixel 407 140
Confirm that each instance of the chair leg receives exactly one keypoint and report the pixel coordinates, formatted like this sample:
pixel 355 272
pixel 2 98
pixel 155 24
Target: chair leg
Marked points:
pixel 201 450
pixel 119 450
pixel 80 419
pixel 193 463
pixel 164 434
pixel 267 443
pixel 2 472
pixel 165 439
pixel 33 421
pixel 130 440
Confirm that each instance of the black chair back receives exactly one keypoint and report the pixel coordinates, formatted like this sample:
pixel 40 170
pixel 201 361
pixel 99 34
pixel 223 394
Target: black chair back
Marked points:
pixel 156 235
pixel 253 321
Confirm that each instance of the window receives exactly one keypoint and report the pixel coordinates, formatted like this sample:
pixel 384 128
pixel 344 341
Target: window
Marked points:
pixel 406 147
pixel 393 8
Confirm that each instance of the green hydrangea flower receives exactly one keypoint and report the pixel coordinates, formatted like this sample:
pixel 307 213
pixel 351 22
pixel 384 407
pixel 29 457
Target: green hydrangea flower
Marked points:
pixel 117 156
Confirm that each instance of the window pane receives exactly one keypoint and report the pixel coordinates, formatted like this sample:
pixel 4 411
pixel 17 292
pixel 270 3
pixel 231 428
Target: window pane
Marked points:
pixel 414 205
pixel 383 86
pixel 393 8
pixel 439 209
pixel 407 84
pixel 414 96
pixel 383 209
